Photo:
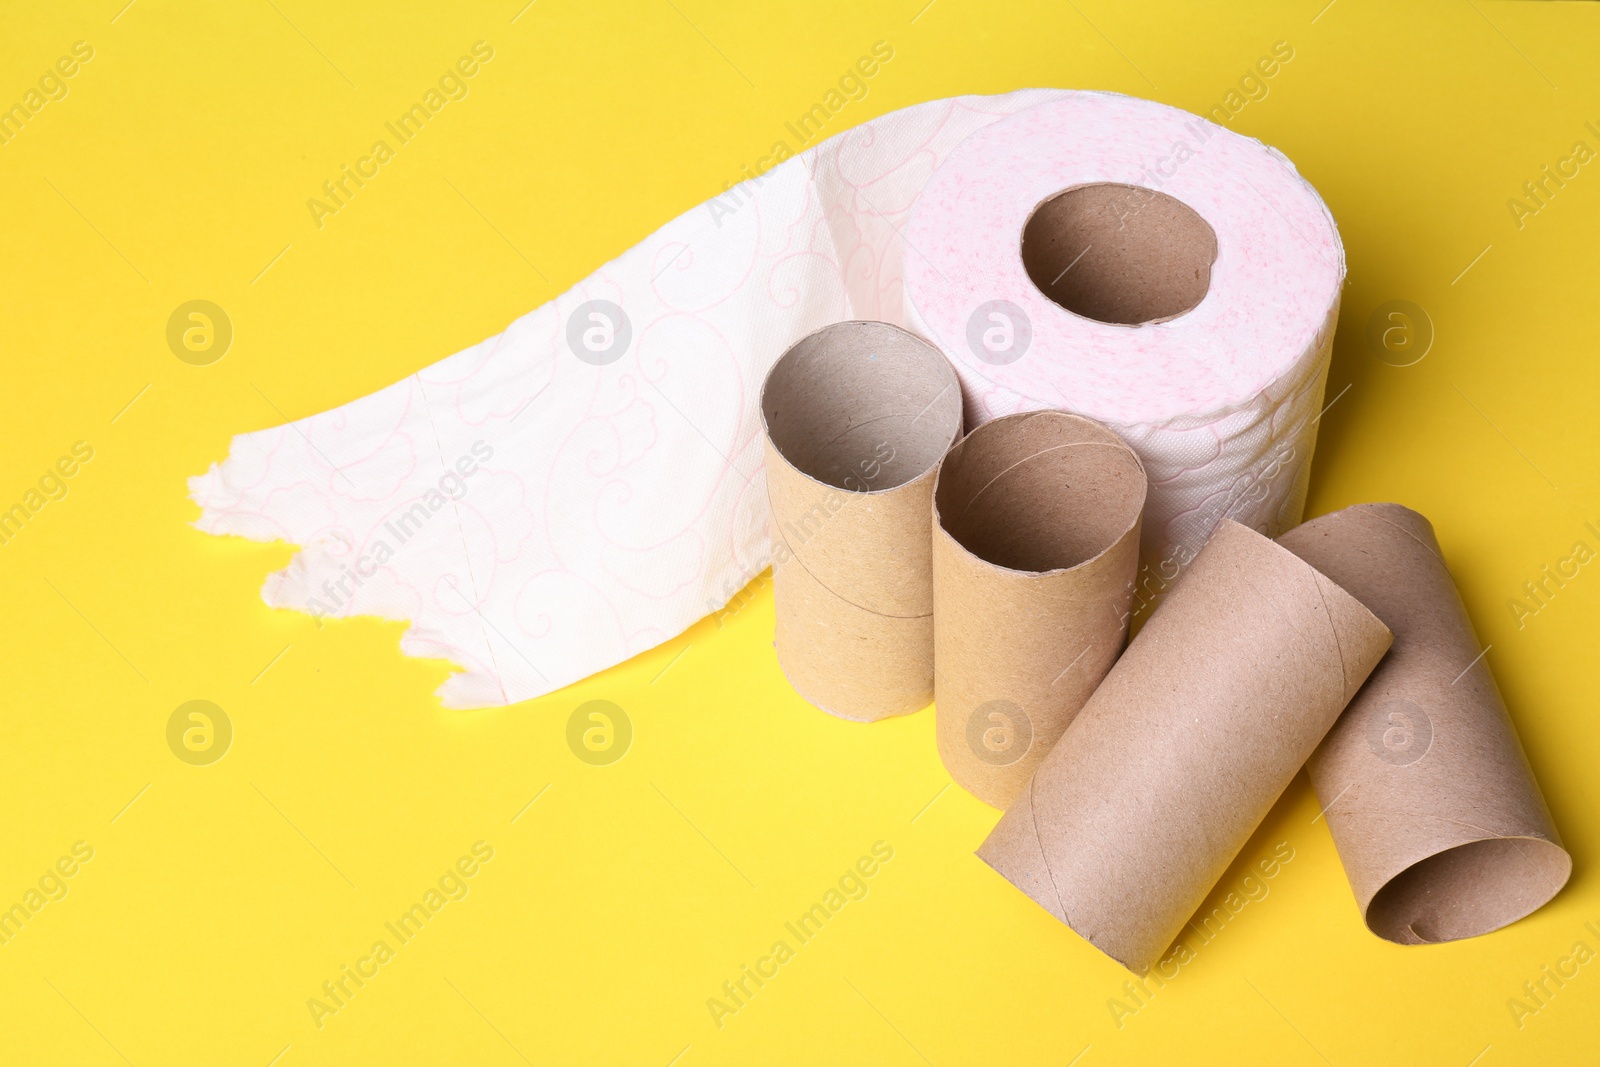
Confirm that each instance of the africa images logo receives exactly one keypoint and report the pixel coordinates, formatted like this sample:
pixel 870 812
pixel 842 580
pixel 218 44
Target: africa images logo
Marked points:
pixel 452 886
pixel 851 886
pixel 999 733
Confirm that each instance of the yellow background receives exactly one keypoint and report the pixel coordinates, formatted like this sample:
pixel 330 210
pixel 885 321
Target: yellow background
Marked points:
pixel 222 897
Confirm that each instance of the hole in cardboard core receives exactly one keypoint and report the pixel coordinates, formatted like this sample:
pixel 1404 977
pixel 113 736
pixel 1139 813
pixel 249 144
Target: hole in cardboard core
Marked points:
pixel 1040 491
pixel 1119 253
pixel 1468 890
pixel 862 406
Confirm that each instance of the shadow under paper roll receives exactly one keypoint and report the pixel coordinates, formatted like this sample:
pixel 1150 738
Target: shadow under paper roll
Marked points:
pixel 857 416
pixel 1438 820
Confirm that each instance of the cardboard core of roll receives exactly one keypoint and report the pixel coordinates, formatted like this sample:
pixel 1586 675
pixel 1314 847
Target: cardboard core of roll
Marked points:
pixel 849 395
pixel 1439 823
pixel 1119 254
pixel 1036 541
pixel 1039 492
pixel 1186 744
pixel 1468 890
pixel 856 415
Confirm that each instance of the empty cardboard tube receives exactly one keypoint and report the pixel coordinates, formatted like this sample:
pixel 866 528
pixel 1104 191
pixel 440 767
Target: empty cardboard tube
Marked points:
pixel 1035 547
pixel 1185 746
pixel 857 416
pixel 1438 820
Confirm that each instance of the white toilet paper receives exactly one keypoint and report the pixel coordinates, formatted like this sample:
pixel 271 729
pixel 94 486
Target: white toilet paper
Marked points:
pixel 1218 400
pixel 588 483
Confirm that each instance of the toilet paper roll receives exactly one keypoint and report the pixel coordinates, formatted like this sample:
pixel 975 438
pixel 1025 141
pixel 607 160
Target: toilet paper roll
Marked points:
pixel 1035 546
pixel 1438 820
pixel 1129 262
pixel 857 416
pixel 587 484
pixel 1185 746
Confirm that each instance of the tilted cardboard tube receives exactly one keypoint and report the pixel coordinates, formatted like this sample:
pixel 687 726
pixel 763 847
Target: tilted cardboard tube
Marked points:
pixel 1188 742
pixel 857 415
pixel 1434 809
pixel 1035 546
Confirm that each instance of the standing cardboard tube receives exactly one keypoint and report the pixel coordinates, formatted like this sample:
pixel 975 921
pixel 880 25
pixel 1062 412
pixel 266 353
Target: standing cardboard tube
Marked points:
pixel 1035 547
pixel 857 416
pixel 1438 820
pixel 1178 756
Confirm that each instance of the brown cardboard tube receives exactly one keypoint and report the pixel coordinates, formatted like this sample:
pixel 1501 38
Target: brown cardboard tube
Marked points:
pixel 1185 746
pixel 857 415
pixel 1035 546
pixel 1438 820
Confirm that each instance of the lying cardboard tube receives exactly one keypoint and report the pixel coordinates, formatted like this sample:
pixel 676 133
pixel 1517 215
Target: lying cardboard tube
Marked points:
pixel 1179 755
pixel 1035 546
pixel 857 416
pixel 1438 820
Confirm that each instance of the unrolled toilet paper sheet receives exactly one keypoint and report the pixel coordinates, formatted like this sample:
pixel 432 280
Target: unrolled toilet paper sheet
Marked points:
pixel 540 509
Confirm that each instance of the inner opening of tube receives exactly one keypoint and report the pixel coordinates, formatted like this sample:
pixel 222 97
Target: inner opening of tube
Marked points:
pixel 1039 493
pixel 1468 890
pixel 1121 254
pixel 862 406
